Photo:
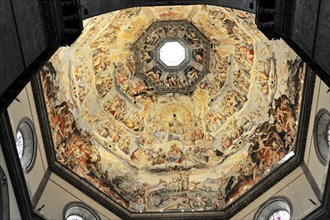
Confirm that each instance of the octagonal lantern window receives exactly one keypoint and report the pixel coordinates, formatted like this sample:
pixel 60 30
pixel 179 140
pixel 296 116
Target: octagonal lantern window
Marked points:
pixel 172 53
pixel 172 57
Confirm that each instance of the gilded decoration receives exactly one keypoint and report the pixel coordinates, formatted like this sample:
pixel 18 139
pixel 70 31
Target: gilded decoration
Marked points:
pixel 154 151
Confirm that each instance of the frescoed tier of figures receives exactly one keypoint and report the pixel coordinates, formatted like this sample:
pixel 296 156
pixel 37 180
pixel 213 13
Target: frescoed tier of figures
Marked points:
pixel 173 152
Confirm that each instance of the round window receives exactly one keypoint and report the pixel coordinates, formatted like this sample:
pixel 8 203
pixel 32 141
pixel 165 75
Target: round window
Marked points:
pixel 277 208
pixel 26 143
pixel 280 215
pixel 75 217
pixel 79 211
pixel 322 134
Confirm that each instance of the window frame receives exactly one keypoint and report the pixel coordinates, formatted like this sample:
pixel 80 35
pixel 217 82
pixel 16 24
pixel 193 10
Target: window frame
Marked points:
pixel 26 127
pixel 321 135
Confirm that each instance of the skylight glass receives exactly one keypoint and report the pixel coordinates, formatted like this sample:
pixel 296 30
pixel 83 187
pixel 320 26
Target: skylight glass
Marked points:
pixel 172 53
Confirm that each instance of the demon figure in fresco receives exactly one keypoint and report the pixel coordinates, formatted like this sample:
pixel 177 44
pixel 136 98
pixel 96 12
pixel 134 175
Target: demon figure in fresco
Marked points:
pixel 127 126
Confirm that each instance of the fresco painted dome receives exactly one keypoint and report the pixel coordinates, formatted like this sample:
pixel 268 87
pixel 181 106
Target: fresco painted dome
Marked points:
pixel 187 133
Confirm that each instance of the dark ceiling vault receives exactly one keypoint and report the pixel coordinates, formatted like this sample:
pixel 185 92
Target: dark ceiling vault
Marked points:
pixel 306 31
pixel 303 25
pixel 101 7
pixel 33 30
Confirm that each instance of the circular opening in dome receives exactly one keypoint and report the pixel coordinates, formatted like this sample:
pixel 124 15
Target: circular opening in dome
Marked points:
pixel 172 53
pixel 19 143
pixel 280 215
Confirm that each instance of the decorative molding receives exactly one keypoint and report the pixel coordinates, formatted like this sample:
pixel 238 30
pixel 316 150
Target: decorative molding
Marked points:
pixel 48 21
pixel 274 18
pixel 62 21
pixel 71 20
pixel 266 18
pixel 43 119
pixel 287 18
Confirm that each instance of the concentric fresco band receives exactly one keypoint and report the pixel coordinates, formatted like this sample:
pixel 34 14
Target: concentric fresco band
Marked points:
pixel 159 139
